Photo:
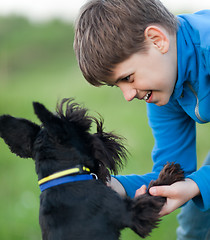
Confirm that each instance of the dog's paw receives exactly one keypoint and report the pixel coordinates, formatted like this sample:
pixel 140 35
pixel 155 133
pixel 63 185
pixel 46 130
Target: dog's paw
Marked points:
pixel 170 174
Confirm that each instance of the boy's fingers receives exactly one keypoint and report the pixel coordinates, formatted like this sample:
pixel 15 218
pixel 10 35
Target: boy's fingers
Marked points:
pixel 162 191
pixel 141 190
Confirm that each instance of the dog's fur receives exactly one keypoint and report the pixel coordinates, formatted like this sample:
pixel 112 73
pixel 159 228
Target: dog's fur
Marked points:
pixel 82 210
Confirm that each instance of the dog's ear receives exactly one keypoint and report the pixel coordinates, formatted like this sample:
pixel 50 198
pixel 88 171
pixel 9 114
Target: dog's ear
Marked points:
pixel 108 150
pixel 19 134
pixel 51 122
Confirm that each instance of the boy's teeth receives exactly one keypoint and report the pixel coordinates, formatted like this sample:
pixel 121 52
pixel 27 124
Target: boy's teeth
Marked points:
pixel 146 97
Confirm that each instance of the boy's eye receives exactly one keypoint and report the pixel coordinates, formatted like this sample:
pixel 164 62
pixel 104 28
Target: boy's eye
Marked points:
pixel 128 79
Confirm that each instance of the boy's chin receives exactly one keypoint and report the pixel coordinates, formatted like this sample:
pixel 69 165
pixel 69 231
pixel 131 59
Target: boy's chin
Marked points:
pixel 161 102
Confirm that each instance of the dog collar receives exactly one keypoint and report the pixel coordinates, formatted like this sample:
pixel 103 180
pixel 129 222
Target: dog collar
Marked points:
pixel 65 177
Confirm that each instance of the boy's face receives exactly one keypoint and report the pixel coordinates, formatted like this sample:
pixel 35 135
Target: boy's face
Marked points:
pixel 150 76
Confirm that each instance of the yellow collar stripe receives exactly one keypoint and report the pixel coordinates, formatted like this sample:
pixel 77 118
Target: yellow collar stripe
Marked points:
pixel 62 173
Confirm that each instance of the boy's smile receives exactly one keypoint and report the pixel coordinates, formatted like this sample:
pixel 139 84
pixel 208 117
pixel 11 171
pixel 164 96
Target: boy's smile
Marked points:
pixel 150 76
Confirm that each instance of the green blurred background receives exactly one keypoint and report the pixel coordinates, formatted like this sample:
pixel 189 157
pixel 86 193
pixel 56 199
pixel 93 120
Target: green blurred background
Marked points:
pixel 37 63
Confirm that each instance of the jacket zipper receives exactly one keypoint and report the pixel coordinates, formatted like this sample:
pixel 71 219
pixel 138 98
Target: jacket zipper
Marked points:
pixel 197 103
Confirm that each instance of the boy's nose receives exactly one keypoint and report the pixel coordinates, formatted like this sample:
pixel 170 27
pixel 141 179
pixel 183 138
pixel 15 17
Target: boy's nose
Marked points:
pixel 128 93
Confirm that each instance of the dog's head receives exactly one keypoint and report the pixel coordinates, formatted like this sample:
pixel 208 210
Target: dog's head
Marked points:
pixel 64 140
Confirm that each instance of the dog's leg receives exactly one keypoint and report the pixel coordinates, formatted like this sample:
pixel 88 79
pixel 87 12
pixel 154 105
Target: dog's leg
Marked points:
pixel 144 213
pixel 145 208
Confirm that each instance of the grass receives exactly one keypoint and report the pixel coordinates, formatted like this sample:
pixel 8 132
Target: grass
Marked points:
pixel 37 63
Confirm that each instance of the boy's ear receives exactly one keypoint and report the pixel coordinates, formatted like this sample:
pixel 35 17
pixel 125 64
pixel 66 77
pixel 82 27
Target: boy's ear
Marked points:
pixel 18 134
pixel 158 37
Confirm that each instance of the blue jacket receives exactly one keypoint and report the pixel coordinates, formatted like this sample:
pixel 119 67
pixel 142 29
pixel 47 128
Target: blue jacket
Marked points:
pixel 173 125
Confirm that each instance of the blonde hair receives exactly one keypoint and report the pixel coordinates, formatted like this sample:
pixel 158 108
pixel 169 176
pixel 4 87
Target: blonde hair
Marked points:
pixel 108 32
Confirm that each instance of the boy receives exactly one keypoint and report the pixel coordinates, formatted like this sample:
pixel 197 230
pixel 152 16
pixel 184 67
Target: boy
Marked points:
pixel 151 55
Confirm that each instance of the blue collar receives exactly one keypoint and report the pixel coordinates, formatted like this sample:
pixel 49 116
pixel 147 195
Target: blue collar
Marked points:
pixel 80 173
pixel 67 179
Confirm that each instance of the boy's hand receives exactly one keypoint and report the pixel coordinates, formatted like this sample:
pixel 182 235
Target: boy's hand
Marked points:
pixel 142 190
pixel 177 194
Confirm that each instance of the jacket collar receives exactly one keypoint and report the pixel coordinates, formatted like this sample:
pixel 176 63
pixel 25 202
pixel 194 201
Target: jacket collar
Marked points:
pixel 186 57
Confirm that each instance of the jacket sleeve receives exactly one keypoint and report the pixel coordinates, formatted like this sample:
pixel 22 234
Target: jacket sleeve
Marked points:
pixel 202 179
pixel 174 134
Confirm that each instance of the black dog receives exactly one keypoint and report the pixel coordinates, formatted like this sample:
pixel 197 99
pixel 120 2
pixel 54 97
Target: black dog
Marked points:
pixel 74 204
